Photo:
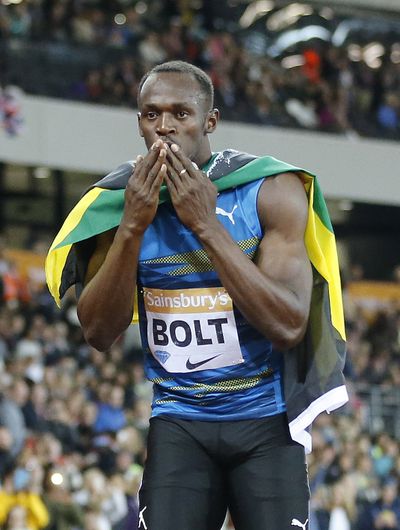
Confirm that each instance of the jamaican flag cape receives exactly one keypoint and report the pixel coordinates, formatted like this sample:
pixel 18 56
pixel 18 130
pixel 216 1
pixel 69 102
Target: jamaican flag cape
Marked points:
pixel 313 380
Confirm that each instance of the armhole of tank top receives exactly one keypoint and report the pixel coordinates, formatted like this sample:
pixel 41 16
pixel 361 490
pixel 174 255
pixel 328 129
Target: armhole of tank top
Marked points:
pixel 256 223
pixel 249 199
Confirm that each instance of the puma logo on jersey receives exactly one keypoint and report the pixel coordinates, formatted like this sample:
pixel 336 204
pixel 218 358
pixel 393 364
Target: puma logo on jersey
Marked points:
pixel 220 211
pixel 296 522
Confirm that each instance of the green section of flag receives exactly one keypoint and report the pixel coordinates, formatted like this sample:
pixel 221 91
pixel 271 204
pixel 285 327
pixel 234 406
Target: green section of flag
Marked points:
pixel 105 212
pixel 320 207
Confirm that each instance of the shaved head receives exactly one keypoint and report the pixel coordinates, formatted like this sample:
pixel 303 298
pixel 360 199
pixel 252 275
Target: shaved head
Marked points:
pixel 206 93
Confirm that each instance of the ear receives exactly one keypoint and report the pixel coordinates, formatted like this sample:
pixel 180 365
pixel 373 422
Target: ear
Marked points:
pixel 212 119
pixel 139 117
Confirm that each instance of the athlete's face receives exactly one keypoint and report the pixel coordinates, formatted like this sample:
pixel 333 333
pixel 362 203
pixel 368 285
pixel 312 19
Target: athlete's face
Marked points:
pixel 172 107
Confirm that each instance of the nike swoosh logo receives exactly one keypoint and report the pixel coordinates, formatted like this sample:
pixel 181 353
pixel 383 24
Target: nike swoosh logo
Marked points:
pixel 192 366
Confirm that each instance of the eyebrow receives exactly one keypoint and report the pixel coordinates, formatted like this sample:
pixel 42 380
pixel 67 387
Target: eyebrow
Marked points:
pixel 182 104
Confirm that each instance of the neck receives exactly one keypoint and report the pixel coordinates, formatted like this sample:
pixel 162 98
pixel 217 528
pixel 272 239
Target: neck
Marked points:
pixel 203 156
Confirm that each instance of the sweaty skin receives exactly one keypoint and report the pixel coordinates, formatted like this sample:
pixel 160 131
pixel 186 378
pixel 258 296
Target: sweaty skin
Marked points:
pixel 274 291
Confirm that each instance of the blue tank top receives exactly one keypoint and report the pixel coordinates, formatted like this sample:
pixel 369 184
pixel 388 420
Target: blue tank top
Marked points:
pixel 205 360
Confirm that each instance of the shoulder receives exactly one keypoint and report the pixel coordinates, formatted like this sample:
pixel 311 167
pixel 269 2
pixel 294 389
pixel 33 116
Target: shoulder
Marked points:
pixel 282 200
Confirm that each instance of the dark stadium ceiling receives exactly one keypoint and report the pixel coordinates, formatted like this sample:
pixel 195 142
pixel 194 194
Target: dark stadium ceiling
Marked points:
pixel 276 16
pixel 230 9
pixel 277 28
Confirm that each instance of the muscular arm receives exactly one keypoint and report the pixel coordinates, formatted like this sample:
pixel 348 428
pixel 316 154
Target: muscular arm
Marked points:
pixel 105 307
pixel 273 293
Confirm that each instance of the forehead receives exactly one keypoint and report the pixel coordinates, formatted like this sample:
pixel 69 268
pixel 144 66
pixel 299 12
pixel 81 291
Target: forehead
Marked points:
pixel 171 88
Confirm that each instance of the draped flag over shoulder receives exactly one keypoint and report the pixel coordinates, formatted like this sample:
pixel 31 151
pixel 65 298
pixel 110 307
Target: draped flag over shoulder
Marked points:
pixel 313 379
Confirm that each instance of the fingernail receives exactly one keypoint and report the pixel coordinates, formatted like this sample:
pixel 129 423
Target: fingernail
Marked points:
pixel 139 158
pixel 163 152
pixel 175 148
pixel 195 165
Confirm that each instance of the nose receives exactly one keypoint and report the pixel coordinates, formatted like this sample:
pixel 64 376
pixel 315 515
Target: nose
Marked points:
pixel 165 125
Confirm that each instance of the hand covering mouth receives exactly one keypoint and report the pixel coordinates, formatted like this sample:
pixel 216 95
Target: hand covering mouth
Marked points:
pixel 168 140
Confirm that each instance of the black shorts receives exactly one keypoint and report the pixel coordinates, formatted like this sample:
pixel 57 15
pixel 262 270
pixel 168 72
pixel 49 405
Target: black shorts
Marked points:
pixel 195 470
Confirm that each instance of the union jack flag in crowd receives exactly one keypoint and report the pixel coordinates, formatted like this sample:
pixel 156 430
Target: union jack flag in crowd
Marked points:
pixel 11 110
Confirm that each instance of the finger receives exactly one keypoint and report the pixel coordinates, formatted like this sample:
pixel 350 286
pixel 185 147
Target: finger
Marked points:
pixel 150 160
pixel 178 168
pixel 136 168
pixel 173 181
pixel 171 174
pixel 180 164
pixel 153 173
pixel 153 153
pixel 171 187
pixel 155 187
pixel 181 157
pixel 178 179
pixel 138 163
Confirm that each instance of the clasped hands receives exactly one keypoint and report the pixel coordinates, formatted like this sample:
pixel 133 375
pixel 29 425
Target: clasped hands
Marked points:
pixel 193 195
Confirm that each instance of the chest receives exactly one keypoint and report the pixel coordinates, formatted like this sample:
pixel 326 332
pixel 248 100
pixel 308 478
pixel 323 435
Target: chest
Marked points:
pixel 169 247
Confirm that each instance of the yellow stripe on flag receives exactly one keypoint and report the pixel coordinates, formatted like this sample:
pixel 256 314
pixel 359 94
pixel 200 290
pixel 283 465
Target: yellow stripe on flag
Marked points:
pixel 321 249
pixel 57 257
pixel 76 214
pixel 135 318
pixel 330 270
pixel 54 266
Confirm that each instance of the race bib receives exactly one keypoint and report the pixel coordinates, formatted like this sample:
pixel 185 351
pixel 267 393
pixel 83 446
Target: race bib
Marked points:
pixel 191 329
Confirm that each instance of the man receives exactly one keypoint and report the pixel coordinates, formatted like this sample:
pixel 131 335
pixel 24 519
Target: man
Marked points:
pixel 224 285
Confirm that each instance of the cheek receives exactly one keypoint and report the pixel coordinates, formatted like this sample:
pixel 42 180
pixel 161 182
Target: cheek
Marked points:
pixel 144 130
pixel 195 131
pixel 148 134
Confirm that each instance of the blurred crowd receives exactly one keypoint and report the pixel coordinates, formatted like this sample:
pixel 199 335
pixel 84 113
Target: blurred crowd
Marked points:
pixel 73 420
pixel 313 84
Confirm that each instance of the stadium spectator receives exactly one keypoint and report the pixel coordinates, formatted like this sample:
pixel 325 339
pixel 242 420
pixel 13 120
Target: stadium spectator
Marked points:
pixel 384 514
pixel 19 504
pixel 110 412
pixel 105 497
pixel 64 513
pixel 12 398
pixel 330 88
pixel 6 458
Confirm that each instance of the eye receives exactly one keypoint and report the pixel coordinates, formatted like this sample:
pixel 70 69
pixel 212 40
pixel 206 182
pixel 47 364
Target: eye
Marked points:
pixel 182 114
pixel 151 115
